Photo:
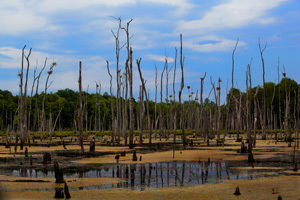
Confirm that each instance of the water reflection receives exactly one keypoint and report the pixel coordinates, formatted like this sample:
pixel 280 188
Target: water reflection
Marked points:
pixel 154 175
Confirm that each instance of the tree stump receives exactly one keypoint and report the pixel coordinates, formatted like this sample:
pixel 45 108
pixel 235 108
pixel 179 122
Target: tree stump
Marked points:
pixel 26 152
pixel 59 193
pixel 140 158
pixel 123 153
pixel 31 160
pixel 191 143
pixel 64 145
pixel 59 176
pixel 117 157
pixel 66 190
pixel 92 146
pixel 279 197
pixel 243 148
pixel 134 157
pixel 47 158
pixel 237 191
pixel 295 167
pixel 251 158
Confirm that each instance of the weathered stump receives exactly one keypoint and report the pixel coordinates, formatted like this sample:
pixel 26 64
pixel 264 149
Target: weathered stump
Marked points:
pixel 26 152
pixel 237 191
pixel 295 167
pixel 66 190
pixel 123 153
pixel 59 193
pixel 251 158
pixel 59 176
pixel 92 146
pixel 117 157
pixel 134 157
pixel 140 158
pixel 30 159
pixel 279 197
pixel 243 148
pixel 64 144
pixel 47 158
pixel 192 143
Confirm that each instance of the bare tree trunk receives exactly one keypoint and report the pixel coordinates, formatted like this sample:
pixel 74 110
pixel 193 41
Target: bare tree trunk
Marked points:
pixel 80 116
pixel 111 107
pixel 43 117
pixel 127 75
pixel 141 113
pixel 155 108
pixel 264 94
pixel 118 79
pixel 160 106
pixel 131 117
pixel 21 104
pixel 138 62
pixel 175 108
pixel 201 103
pixel 256 107
pixel 26 130
pixel 180 93
pixel 279 106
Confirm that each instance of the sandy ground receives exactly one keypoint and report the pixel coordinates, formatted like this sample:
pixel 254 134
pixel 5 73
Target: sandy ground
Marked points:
pixel 263 188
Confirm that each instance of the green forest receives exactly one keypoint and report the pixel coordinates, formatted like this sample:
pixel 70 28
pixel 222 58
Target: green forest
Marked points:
pixel 97 108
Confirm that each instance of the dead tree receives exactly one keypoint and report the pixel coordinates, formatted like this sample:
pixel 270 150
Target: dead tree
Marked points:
pixel 43 117
pixel 26 130
pixel 264 89
pixel 174 98
pixel 141 112
pixel 155 108
pixel 138 62
pixel 131 117
pixel 160 106
pixel 219 107
pixel 126 77
pixel 116 36
pixel 180 93
pixel 279 106
pixel 36 99
pixel 287 107
pixel 256 107
pixel 80 116
pixel 201 102
pixel 29 112
pixel 111 106
pixel 21 105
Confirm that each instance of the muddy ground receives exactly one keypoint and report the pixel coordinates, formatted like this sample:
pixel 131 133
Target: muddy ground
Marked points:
pixel 165 171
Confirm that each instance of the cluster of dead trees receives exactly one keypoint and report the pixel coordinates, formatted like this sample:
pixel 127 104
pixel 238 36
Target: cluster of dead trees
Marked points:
pixel 271 108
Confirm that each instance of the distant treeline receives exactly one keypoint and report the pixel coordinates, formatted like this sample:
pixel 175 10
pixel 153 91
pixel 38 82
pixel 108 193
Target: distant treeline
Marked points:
pixel 97 113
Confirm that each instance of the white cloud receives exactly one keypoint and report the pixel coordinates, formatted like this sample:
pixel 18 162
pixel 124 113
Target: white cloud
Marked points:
pixel 182 5
pixel 159 58
pixel 209 44
pixel 233 14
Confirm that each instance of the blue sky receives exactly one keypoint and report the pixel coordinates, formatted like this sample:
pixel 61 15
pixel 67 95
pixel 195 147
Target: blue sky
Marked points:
pixel 69 31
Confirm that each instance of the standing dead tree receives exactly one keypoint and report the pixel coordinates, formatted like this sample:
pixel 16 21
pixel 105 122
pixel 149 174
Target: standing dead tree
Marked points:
pixel 25 124
pixel 175 109
pixel 138 62
pixel 118 48
pixel 111 106
pixel 201 103
pixel 160 105
pixel 127 77
pixel 36 99
pixel 155 108
pixel 43 117
pixel 80 115
pixel 180 93
pixel 264 89
pixel 21 105
pixel 131 117
pixel 30 107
